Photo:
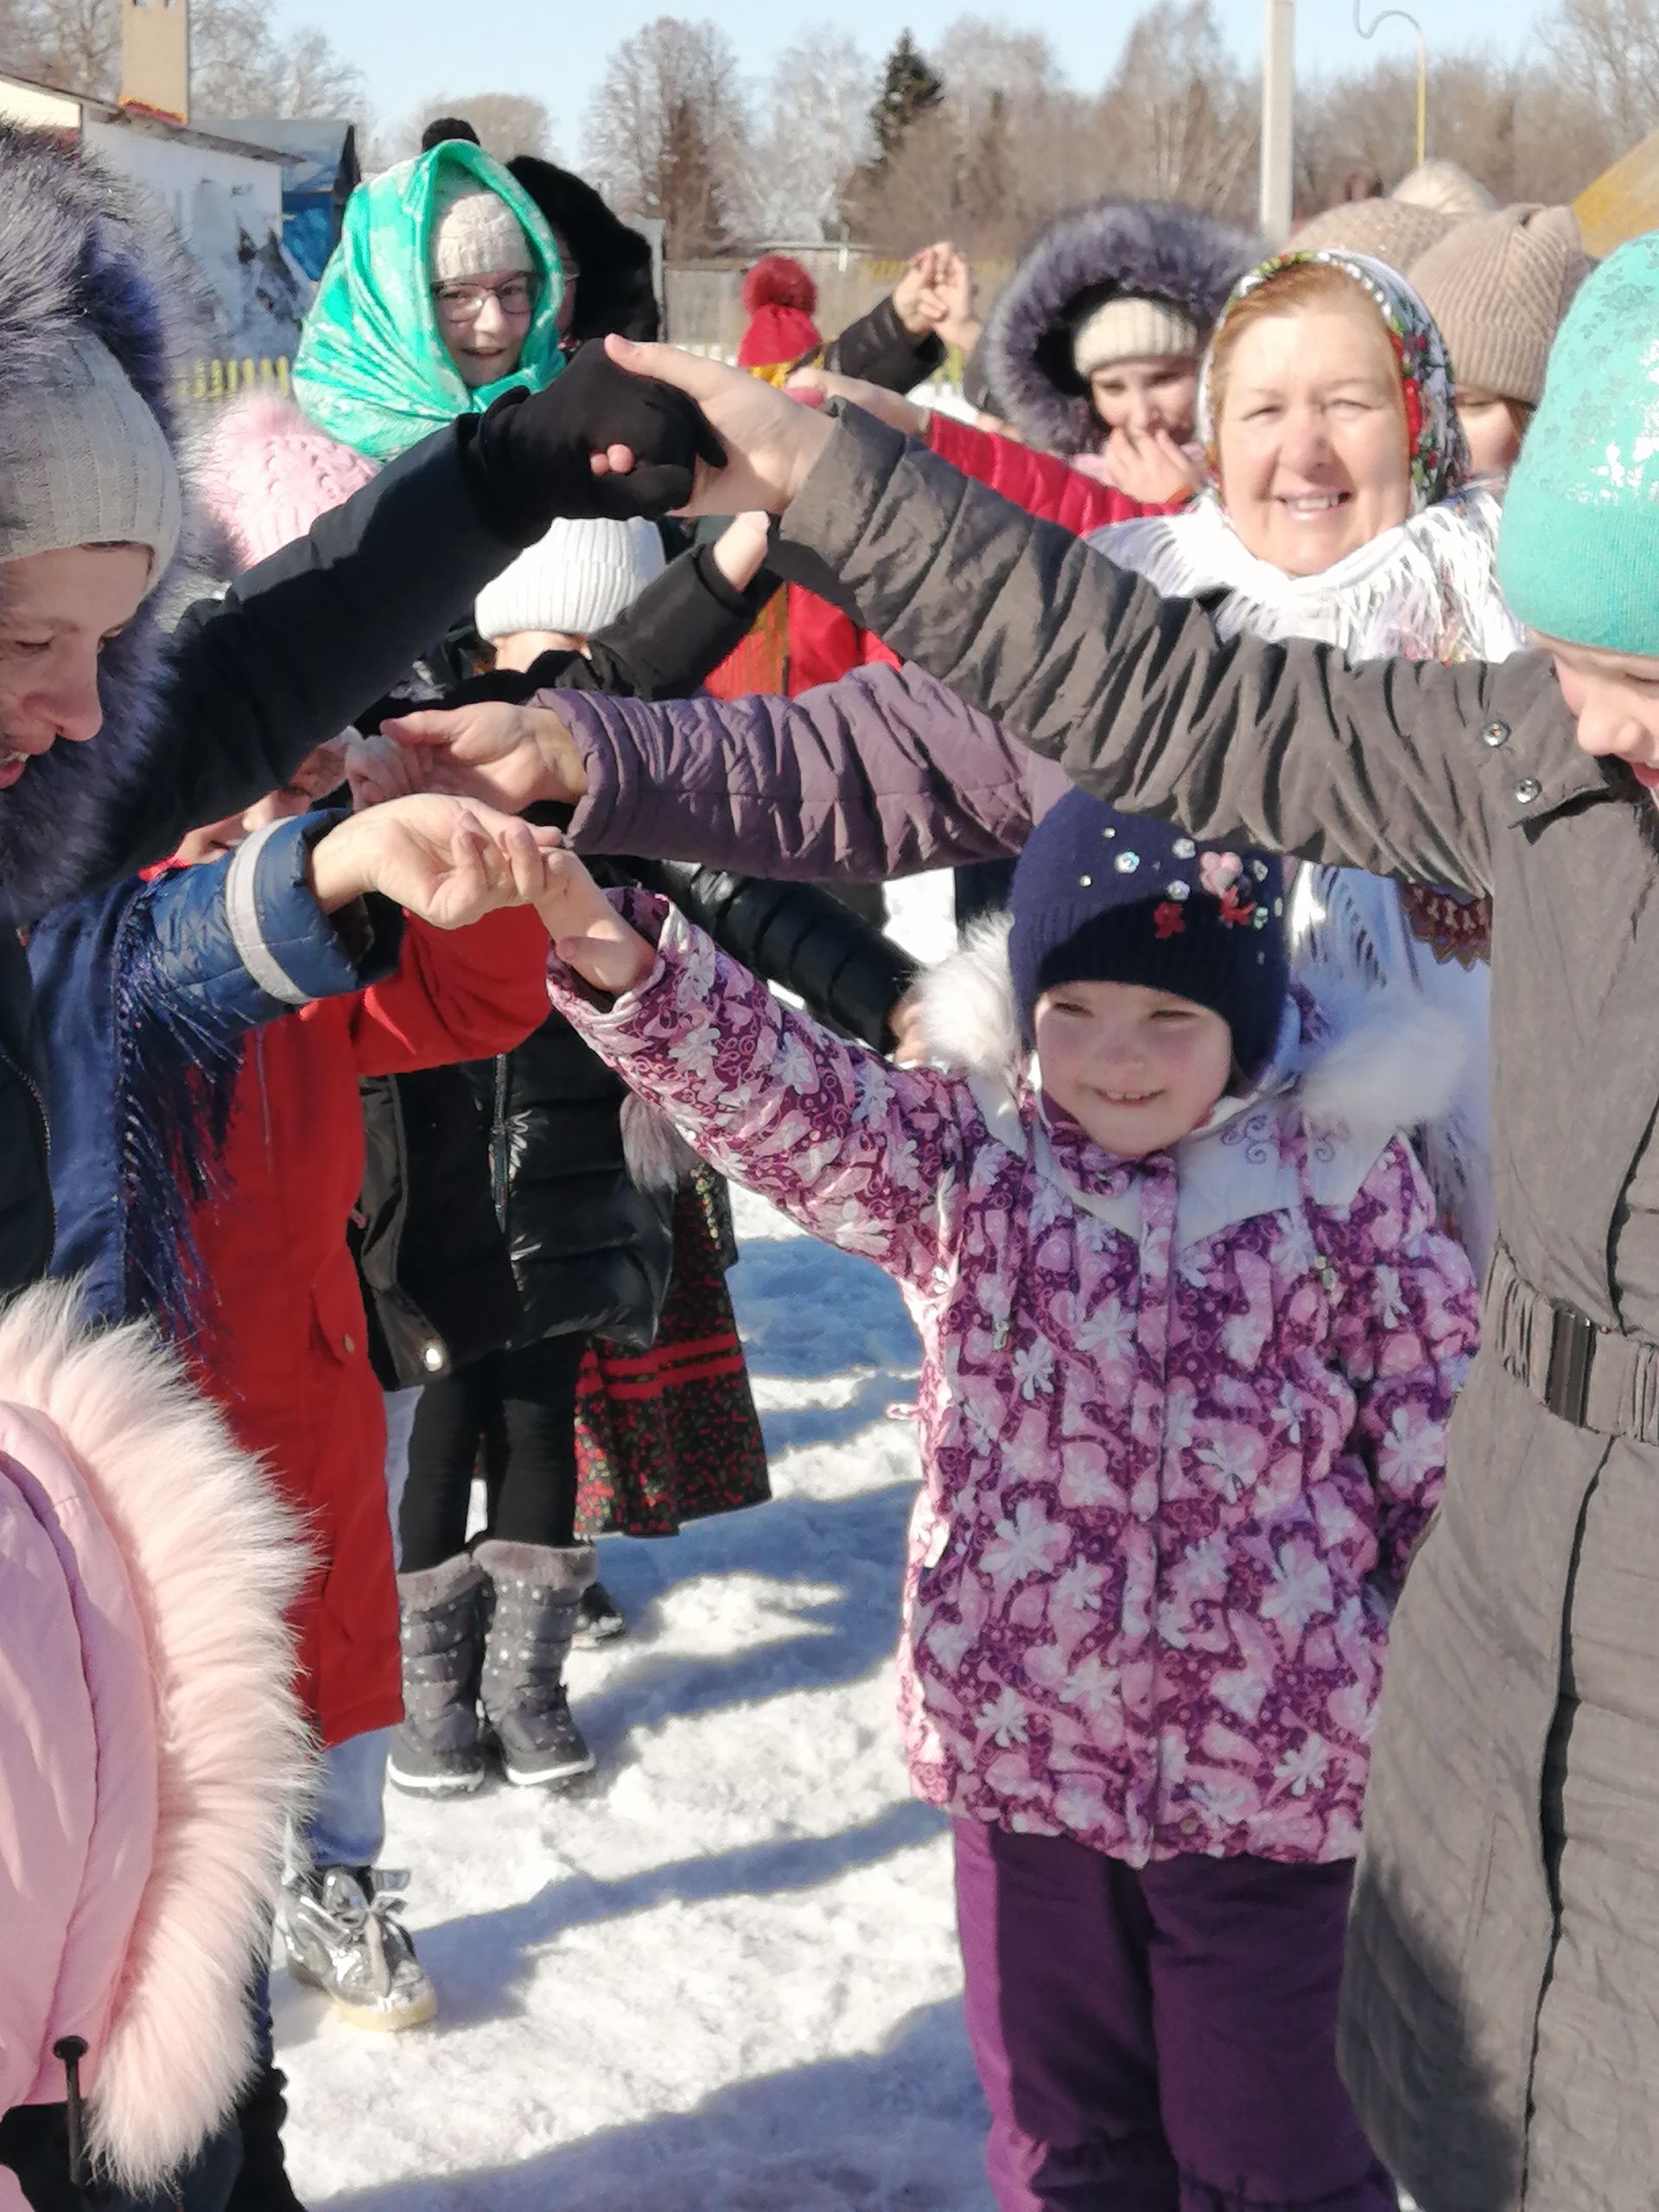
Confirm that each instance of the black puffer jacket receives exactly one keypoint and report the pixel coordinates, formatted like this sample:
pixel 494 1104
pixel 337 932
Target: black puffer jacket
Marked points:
pixel 437 1283
pixel 583 1175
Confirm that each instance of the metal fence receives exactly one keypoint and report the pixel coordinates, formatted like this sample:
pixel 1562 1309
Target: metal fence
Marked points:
pixel 204 384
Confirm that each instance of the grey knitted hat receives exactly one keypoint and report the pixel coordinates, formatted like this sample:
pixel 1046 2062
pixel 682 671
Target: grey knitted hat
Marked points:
pixel 476 233
pixel 1499 286
pixel 86 462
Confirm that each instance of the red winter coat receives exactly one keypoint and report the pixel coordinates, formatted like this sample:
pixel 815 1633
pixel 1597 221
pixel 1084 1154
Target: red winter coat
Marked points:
pixel 283 1348
pixel 825 645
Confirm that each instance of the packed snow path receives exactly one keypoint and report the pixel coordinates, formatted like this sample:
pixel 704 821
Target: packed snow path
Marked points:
pixel 724 1974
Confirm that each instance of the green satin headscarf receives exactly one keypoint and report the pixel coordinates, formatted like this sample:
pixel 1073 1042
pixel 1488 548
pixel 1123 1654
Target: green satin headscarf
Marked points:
pixel 372 369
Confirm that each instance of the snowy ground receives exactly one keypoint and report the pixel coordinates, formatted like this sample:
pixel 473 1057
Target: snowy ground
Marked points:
pixel 723 1978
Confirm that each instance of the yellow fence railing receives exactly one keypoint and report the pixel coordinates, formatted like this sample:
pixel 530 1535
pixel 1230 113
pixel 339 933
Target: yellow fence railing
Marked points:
pixel 205 383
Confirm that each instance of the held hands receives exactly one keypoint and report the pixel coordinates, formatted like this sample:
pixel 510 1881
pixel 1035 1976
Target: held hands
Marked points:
pixel 441 859
pixel 814 386
pixel 497 754
pixel 770 443
pixel 936 293
pixel 588 934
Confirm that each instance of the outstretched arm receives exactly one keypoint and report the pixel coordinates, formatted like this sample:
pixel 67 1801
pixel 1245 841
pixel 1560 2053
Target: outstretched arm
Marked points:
pixel 865 1155
pixel 1377 767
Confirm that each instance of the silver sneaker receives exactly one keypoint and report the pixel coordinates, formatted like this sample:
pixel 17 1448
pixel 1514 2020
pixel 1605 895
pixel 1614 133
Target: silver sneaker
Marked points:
pixel 343 1934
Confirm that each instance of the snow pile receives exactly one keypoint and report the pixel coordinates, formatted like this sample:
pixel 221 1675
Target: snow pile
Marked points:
pixel 725 1975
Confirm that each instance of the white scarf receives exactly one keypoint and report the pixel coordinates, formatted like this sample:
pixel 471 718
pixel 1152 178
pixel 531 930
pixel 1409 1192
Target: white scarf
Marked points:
pixel 1427 589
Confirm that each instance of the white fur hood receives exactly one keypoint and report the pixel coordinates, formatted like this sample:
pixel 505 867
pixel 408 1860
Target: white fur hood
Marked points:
pixel 1351 1070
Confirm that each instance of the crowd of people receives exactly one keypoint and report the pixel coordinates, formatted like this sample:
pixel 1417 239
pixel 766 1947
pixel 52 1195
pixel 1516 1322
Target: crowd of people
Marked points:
pixel 442 820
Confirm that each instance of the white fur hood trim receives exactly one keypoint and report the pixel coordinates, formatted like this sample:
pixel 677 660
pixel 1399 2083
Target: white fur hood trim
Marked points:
pixel 213 1560
pixel 1354 1069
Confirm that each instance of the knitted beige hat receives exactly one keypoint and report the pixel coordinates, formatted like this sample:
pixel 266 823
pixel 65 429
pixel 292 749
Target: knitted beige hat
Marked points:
pixel 476 233
pixel 579 577
pixel 1133 328
pixel 84 461
pixel 1499 286
pixel 1391 230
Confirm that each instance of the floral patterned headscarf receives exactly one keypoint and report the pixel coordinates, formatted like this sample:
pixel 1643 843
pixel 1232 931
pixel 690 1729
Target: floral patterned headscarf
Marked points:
pixel 1438 455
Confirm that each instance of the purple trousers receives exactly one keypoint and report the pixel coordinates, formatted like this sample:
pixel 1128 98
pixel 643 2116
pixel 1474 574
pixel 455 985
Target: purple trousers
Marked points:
pixel 1162 2038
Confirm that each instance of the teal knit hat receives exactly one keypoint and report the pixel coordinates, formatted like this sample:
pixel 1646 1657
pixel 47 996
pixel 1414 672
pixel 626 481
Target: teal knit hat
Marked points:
pixel 1578 556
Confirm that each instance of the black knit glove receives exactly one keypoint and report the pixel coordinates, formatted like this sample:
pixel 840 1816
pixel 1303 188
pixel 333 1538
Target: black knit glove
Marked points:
pixel 534 448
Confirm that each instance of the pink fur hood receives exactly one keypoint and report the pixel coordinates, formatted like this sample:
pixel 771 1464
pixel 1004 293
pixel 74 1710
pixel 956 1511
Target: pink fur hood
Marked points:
pixel 152 1750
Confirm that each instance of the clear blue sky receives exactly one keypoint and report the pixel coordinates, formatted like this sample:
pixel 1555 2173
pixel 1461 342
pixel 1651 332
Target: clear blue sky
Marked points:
pixel 415 51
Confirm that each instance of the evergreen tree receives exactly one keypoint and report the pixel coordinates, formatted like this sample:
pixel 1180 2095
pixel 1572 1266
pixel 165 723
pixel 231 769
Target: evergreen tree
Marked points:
pixel 909 88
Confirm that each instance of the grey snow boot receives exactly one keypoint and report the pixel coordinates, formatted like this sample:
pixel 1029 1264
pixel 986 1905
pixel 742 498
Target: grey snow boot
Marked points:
pixel 439 1749
pixel 535 1591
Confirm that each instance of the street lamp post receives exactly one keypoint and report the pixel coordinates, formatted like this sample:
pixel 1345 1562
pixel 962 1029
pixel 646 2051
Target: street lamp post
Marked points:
pixel 1274 206
pixel 1369 30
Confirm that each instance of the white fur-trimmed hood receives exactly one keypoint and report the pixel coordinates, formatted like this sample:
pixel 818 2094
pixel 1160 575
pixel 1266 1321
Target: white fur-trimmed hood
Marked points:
pixel 1358 1069
pixel 179 1563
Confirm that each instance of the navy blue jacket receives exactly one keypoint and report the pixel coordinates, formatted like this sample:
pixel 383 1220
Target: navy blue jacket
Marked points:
pixel 144 994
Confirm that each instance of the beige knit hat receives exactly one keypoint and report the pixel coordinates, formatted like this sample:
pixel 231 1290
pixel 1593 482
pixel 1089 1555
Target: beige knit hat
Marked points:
pixel 1132 328
pixel 476 233
pixel 1499 286
pixel 84 461
pixel 1391 230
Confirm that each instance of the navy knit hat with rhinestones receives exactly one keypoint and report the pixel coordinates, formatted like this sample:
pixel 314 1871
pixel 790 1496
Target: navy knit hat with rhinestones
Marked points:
pixel 1101 897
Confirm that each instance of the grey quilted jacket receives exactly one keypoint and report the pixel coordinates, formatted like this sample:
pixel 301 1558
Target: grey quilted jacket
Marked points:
pixel 1502 2015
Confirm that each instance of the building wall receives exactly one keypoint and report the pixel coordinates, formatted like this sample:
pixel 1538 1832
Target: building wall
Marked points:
pixel 37 109
pixel 200 187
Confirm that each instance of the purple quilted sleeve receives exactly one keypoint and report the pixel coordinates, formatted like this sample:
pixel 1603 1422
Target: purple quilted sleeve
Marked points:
pixel 884 773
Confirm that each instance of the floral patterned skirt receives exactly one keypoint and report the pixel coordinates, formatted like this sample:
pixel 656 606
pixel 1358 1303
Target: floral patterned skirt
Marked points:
pixel 672 1434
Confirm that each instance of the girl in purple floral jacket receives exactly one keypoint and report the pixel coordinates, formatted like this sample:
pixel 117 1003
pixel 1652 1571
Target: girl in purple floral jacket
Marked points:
pixel 1191 1339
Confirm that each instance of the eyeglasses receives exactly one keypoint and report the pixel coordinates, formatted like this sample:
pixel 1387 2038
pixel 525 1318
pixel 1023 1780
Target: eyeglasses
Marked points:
pixel 465 302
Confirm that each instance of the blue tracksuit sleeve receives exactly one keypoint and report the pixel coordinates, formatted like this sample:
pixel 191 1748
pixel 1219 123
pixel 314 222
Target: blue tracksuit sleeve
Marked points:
pixel 145 994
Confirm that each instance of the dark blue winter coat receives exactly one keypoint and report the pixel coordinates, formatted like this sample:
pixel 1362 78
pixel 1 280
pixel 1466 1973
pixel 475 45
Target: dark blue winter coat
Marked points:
pixel 144 994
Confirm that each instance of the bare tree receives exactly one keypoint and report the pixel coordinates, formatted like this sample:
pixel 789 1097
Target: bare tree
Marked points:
pixel 1605 54
pixel 667 132
pixel 506 122
pixel 239 66
pixel 1180 115
pixel 74 43
pixel 817 131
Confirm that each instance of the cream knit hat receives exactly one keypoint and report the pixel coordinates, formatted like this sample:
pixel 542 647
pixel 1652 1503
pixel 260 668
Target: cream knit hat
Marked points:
pixel 1499 286
pixel 84 461
pixel 1132 328
pixel 476 233
pixel 579 577
pixel 1447 188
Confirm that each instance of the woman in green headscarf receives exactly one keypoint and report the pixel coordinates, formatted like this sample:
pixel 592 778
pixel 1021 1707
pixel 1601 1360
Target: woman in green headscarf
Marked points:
pixel 444 291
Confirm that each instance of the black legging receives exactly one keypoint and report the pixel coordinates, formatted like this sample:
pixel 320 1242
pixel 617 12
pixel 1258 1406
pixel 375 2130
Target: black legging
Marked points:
pixel 519 1408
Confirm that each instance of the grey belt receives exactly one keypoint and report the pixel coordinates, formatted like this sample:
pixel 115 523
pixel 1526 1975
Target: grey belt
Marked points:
pixel 1593 1378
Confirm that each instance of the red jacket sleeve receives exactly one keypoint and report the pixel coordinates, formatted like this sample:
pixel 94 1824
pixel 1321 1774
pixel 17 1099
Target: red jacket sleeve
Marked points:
pixel 458 994
pixel 1041 483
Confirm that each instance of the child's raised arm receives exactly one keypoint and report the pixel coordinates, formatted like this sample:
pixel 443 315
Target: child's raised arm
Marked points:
pixel 863 1154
